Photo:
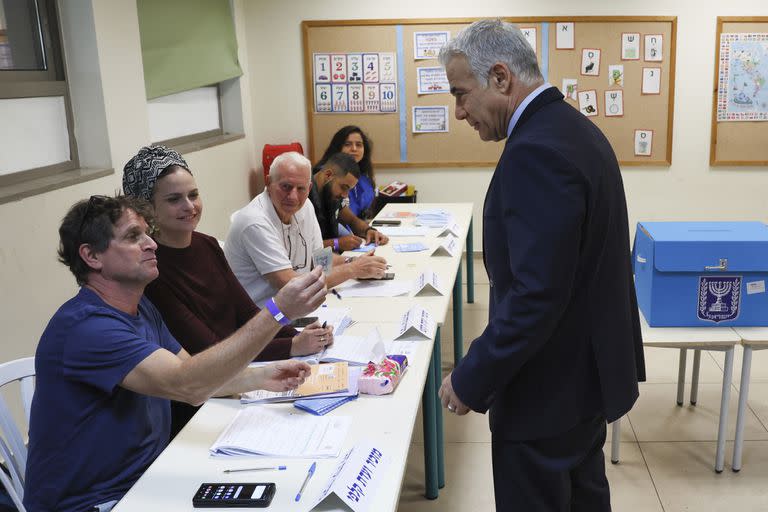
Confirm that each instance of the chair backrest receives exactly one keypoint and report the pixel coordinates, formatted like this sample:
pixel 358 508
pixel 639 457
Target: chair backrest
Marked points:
pixel 12 447
pixel 271 151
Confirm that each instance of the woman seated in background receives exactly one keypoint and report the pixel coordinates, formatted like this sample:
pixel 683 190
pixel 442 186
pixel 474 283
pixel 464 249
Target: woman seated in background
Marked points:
pixel 353 141
pixel 199 297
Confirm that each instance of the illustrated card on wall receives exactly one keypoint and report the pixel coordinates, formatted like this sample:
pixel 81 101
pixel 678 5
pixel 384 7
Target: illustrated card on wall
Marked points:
pixel 340 98
pixel 389 97
pixel 355 67
pixel 322 68
pixel 338 68
pixel 356 102
pixel 630 46
pixel 614 103
pixel 651 81
pixel 530 35
pixel 565 36
pixel 430 119
pixel 371 93
pixel 643 142
pixel 570 88
pixel 432 80
pixel 616 75
pixel 653 47
pixel 426 45
pixel 370 67
pixel 323 98
pixel 590 61
pixel 387 67
pixel 588 102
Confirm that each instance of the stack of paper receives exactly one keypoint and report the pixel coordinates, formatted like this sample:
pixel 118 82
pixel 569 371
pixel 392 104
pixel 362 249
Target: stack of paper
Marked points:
pixel 324 380
pixel 282 433
pixel 337 317
pixel 392 231
pixel 436 218
pixel 355 350
pixel 374 288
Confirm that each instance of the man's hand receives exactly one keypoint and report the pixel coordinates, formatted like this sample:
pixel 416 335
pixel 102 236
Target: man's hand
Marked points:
pixel 449 399
pixel 349 242
pixel 312 340
pixel 284 375
pixel 369 267
pixel 302 294
pixel 373 236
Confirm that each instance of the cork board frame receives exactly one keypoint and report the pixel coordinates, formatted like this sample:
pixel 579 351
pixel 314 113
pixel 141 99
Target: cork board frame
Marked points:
pixel 737 143
pixel 461 147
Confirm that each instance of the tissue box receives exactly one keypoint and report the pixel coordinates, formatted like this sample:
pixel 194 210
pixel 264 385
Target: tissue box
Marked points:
pixel 382 378
pixel 702 273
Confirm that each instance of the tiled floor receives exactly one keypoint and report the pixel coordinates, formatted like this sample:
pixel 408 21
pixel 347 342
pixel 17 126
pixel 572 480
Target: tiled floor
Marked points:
pixel 667 452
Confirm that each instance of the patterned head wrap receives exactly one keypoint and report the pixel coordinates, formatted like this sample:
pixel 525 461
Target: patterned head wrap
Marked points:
pixel 141 171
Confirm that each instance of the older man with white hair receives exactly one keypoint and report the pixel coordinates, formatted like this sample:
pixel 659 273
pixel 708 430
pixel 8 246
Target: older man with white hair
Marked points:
pixel 273 237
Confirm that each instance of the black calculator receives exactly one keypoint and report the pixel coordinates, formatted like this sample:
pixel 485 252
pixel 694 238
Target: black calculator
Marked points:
pixel 234 495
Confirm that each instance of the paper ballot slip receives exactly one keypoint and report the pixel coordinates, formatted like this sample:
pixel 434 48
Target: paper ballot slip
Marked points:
pixel 447 247
pixel 356 478
pixel 324 379
pixel 339 318
pixel 282 433
pixel 416 324
pixel 355 350
pixel 428 284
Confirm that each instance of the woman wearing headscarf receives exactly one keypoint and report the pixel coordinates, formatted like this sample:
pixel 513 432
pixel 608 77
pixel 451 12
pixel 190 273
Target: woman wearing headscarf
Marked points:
pixel 200 299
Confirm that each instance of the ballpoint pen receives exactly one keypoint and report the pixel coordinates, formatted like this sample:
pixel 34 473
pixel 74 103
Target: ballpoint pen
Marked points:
pixel 333 291
pixel 306 480
pixel 278 468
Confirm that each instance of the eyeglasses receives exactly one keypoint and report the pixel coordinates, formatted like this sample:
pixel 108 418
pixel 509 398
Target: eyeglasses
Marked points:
pixel 289 247
pixel 94 203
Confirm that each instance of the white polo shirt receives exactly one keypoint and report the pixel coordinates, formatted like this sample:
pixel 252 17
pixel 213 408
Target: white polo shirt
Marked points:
pixel 259 243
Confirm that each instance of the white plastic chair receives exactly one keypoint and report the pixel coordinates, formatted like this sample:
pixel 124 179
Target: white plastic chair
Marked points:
pixel 12 447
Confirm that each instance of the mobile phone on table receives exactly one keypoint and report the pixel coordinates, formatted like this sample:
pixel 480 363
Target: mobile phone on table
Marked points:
pixel 387 277
pixel 386 222
pixel 303 321
pixel 213 495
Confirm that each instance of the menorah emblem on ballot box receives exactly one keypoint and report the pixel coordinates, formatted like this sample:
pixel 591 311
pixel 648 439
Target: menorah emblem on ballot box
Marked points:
pixel 719 298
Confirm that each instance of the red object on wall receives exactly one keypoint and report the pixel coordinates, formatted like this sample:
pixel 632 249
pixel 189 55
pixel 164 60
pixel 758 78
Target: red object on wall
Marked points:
pixel 271 151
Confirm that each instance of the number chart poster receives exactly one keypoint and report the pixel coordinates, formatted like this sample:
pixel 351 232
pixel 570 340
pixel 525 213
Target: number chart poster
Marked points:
pixel 355 82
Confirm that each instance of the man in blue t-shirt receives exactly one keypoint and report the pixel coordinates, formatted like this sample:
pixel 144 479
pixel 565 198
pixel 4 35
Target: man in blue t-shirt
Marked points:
pixel 106 365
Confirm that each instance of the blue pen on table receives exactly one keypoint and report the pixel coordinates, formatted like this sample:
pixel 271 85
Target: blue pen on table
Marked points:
pixel 306 480
pixel 278 468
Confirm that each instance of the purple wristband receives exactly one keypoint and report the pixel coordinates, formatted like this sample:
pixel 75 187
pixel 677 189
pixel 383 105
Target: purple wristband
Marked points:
pixel 336 244
pixel 276 313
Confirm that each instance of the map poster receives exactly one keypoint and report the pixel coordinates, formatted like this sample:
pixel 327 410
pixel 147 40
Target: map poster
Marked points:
pixel 742 83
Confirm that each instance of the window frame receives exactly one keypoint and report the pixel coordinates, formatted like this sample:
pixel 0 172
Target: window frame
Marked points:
pixel 43 83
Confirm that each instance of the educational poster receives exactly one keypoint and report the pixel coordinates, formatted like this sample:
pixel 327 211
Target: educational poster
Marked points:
pixel 570 88
pixel 643 142
pixel 653 47
pixel 742 84
pixel 355 82
pixel 588 102
pixel 530 35
pixel 432 80
pixel 651 81
pixel 565 37
pixel 616 75
pixel 430 119
pixel 630 46
pixel 426 45
pixel 590 61
pixel 614 103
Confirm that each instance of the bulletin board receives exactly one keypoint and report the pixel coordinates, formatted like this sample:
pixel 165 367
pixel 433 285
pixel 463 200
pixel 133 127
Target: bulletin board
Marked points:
pixel 740 99
pixel 392 133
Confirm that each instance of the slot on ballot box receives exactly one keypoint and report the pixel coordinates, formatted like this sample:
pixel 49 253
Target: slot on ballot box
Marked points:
pixel 701 273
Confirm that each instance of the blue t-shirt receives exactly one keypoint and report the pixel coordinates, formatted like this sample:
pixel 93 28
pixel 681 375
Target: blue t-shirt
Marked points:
pixel 361 196
pixel 89 438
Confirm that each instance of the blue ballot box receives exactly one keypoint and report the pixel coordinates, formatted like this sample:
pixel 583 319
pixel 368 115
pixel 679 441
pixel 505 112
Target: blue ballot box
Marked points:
pixel 702 273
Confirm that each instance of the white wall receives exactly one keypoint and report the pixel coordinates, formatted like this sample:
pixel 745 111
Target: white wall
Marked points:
pixel 33 283
pixel 689 189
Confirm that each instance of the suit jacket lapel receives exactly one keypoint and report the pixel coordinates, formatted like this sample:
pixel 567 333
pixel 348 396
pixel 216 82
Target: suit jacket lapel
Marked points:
pixel 546 97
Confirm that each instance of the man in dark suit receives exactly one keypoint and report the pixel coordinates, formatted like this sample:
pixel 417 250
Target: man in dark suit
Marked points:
pixel 562 351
